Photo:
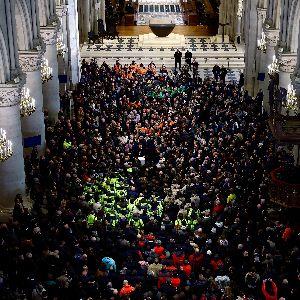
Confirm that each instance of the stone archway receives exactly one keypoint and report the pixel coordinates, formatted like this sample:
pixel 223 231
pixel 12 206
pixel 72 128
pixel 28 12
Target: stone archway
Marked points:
pixel 4 71
pixel 23 26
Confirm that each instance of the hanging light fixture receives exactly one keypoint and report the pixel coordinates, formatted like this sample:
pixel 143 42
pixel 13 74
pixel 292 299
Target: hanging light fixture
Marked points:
pixel 5 146
pixel 46 71
pixel 291 99
pixel 262 44
pixel 274 66
pixel 27 106
pixel 61 48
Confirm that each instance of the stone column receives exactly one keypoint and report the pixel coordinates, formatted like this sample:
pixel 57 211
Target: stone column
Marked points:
pixel 260 55
pixel 62 58
pixel 12 174
pixel 221 15
pixel 33 125
pixel 102 12
pixel 239 21
pixel 272 36
pixel 84 19
pixel 238 29
pixel 250 35
pixel 51 87
pixel 73 46
pixel 287 64
pixel 94 15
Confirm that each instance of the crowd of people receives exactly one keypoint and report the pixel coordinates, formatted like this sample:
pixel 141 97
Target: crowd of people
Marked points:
pixel 157 188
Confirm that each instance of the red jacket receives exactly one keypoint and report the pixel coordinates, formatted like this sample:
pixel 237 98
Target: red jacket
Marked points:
pixel 175 281
pixel 218 209
pixel 187 269
pixel 287 233
pixel 268 296
pixel 216 264
pixel 158 250
pixel 196 260
pixel 177 260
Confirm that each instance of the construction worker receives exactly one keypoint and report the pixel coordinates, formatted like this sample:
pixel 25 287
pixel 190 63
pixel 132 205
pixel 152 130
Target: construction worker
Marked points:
pixel 137 222
pixel 91 218
pixel 67 145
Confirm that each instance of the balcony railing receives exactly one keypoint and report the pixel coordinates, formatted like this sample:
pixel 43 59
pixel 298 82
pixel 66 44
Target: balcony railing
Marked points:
pixel 282 192
pixel 285 128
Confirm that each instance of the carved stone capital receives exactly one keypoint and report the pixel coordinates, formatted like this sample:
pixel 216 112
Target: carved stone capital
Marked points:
pixel 261 13
pixel 10 93
pixel 30 61
pixel 61 10
pixel 49 34
pixel 272 36
pixel 287 61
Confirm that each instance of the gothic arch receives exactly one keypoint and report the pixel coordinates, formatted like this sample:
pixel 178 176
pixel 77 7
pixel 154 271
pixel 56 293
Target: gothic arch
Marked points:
pixel 293 26
pixel 4 71
pixel 23 25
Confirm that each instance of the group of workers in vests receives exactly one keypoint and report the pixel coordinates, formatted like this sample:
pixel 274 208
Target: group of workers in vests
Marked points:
pixel 112 196
pixel 120 206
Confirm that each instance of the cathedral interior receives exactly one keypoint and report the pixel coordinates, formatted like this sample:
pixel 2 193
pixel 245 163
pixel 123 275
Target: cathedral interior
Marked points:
pixel 149 149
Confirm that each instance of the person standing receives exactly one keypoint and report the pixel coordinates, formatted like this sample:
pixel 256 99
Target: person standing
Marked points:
pixel 188 57
pixel 177 56
pixel 223 73
pixel 242 80
pixel 195 67
pixel 216 71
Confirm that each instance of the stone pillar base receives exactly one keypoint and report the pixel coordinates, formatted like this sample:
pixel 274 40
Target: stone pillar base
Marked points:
pixel 151 40
pixel 218 38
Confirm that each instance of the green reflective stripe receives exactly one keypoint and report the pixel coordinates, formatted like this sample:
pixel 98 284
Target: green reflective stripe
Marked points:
pixel 114 223
pixel 138 223
pixel 178 222
pixel 192 224
pixel 130 206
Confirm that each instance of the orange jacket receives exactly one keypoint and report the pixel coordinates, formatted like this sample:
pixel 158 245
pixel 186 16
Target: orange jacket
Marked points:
pixel 126 290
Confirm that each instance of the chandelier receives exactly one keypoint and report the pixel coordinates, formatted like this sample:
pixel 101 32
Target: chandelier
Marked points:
pixel 274 66
pixel 5 146
pixel 27 106
pixel 46 71
pixel 291 99
pixel 262 44
pixel 60 46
